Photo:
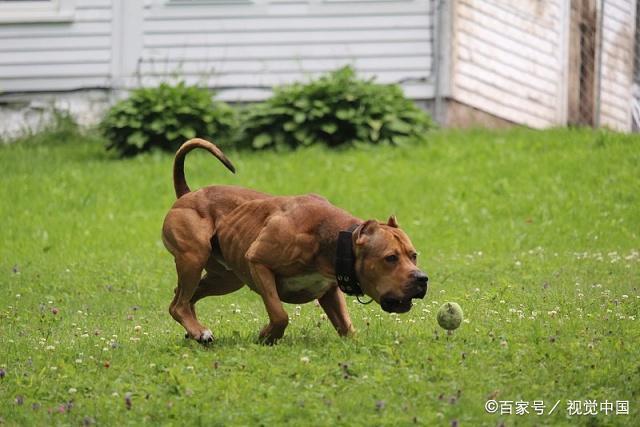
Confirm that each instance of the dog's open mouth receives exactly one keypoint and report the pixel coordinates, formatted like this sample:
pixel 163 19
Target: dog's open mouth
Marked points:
pixel 400 305
pixel 392 305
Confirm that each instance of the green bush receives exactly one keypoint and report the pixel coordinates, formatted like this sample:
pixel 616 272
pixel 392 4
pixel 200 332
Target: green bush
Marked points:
pixel 164 117
pixel 335 109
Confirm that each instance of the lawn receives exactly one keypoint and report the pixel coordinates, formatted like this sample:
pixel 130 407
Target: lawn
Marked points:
pixel 535 235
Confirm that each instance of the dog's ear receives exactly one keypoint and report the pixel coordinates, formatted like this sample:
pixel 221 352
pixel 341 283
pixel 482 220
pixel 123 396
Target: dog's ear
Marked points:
pixel 366 230
pixel 393 221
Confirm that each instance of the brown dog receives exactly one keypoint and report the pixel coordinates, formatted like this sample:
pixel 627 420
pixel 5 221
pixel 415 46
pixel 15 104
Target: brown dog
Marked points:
pixel 285 248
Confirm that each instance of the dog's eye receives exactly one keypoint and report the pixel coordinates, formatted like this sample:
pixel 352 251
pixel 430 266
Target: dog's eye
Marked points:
pixel 414 257
pixel 392 259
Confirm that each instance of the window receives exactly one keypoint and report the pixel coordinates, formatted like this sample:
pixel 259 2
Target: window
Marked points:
pixel 25 11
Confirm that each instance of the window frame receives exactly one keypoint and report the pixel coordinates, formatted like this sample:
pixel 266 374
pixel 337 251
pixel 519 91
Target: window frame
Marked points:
pixel 34 11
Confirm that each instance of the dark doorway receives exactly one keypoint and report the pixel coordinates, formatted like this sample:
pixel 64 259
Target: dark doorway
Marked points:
pixel 582 63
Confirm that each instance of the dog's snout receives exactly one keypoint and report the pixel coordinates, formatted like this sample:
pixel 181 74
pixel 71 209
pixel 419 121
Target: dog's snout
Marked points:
pixel 420 277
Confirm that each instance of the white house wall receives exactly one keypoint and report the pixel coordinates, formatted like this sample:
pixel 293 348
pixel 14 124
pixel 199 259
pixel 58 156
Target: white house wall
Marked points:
pixel 58 56
pixel 617 64
pixel 507 59
pixel 244 49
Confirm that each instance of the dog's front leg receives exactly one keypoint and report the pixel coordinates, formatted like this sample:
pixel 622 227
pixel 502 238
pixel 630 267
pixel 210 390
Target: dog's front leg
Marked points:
pixel 335 307
pixel 278 318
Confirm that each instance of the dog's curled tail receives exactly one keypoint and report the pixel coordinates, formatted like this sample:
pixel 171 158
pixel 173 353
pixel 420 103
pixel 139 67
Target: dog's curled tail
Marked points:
pixel 179 181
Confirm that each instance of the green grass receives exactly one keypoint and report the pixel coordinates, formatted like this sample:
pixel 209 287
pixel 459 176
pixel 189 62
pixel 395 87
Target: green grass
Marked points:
pixel 535 234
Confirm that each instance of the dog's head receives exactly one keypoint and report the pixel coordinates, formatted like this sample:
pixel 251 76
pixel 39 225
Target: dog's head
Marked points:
pixel 386 265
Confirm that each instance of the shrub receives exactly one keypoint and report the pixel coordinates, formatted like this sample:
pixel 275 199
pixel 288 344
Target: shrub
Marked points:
pixel 335 109
pixel 164 117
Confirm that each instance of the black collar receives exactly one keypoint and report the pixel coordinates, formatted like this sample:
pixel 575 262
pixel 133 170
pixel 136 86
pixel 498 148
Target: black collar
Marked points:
pixel 346 263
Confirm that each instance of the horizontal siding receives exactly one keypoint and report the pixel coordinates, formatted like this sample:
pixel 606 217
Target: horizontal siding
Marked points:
pixel 515 88
pixel 222 24
pixel 507 59
pixel 76 69
pixel 36 45
pixel 493 15
pixel 58 56
pixel 505 104
pixel 234 48
pixel 617 64
pixel 75 28
pixel 268 79
pixel 528 69
pixel 294 51
pixel 281 66
pixel 66 56
pixel 48 84
pixel 287 37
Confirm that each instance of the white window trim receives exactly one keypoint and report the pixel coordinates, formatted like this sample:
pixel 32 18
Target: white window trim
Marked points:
pixel 24 12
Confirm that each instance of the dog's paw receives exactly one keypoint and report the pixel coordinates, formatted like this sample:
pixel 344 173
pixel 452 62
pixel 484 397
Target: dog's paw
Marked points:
pixel 267 340
pixel 206 337
pixel 268 336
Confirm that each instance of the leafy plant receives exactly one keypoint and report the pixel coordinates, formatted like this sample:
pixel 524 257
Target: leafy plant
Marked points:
pixel 164 117
pixel 335 109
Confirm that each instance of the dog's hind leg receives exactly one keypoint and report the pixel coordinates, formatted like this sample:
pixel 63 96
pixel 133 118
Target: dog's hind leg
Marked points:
pixel 187 236
pixel 189 271
pixel 217 281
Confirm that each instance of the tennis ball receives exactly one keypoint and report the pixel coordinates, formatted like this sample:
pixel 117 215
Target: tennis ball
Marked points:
pixel 450 316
